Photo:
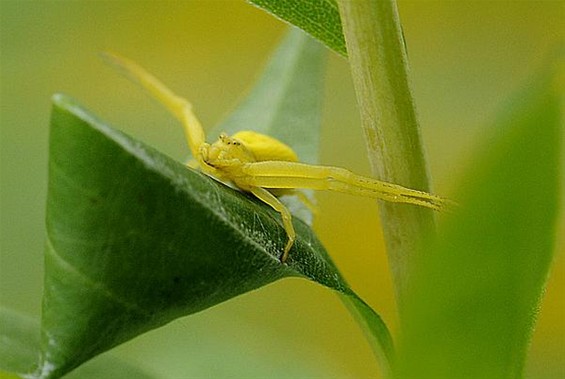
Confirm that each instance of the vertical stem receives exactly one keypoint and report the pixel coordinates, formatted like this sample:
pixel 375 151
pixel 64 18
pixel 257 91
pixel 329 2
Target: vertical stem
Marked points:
pixel 378 61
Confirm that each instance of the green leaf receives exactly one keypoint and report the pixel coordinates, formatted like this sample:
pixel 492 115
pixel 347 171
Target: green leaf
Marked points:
pixel 286 101
pixel 375 330
pixel 20 349
pixel 477 293
pixel 136 239
pixel 319 18
pixel 108 367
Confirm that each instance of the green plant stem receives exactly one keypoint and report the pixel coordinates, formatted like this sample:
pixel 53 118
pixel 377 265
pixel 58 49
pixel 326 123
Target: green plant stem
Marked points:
pixel 378 61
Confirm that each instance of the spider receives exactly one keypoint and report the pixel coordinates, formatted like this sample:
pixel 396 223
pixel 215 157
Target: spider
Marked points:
pixel 262 165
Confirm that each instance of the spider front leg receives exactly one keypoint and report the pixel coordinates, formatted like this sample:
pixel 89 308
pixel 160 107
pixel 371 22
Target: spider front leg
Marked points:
pixel 280 174
pixel 270 199
pixel 177 105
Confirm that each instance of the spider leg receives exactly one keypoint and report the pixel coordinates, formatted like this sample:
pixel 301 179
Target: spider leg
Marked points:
pixel 280 174
pixel 270 199
pixel 306 201
pixel 177 105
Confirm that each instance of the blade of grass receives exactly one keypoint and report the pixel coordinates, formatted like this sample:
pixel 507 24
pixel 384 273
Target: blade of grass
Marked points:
pixel 478 287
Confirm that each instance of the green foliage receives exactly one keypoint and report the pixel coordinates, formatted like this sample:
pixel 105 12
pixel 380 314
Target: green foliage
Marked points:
pixel 20 342
pixel 477 288
pixel 468 299
pixel 319 18
pixel 286 101
pixel 135 239
pixel 21 346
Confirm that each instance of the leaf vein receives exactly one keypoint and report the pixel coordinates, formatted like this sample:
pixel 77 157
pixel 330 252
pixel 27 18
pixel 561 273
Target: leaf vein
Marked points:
pixel 88 281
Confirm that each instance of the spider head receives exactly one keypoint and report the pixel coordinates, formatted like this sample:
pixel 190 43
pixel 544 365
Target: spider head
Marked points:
pixel 226 151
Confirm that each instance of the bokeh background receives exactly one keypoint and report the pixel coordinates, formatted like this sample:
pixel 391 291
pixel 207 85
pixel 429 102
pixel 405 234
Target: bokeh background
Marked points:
pixel 467 58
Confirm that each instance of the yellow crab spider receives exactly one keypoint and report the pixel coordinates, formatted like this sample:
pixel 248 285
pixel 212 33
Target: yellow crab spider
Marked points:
pixel 265 166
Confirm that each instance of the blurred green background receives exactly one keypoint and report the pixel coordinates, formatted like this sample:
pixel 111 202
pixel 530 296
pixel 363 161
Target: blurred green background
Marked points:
pixel 467 58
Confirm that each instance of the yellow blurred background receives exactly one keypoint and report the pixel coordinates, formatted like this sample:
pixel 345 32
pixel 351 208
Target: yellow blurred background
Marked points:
pixel 467 58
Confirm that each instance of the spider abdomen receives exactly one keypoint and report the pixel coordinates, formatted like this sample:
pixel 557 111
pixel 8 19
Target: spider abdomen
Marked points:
pixel 266 148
